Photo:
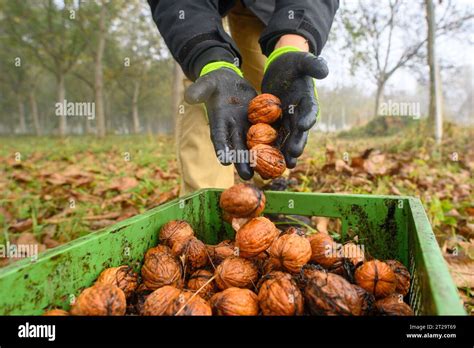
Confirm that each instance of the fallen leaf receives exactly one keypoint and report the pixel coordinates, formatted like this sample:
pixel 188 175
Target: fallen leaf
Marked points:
pixel 22 225
pixel 462 271
pixel 123 184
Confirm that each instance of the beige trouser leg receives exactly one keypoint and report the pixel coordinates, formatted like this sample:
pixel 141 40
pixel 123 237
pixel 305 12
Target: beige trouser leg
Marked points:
pixel 196 156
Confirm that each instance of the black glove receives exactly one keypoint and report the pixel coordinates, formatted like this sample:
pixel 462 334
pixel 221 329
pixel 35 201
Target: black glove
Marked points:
pixel 226 96
pixel 289 75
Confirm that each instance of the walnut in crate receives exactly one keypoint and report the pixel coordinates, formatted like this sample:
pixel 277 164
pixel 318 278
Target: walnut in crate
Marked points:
pixel 100 300
pixel 194 252
pixel 123 277
pixel 197 282
pixel 189 304
pixel 161 268
pixel 235 302
pixel 242 200
pixel 261 133
pixel 168 301
pixel 55 313
pixel 175 231
pixel 324 251
pixel 236 272
pixel 264 108
pixel 367 300
pixel 377 278
pixel 393 305
pixel 292 251
pixel 255 236
pixel 160 301
pixel 330 294
pixel 221 251
pixel 269 162
pixel 402 274
pixel 279 295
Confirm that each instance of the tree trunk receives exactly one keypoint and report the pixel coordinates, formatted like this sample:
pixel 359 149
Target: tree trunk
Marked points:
pixel 21 115
pixel 378 96
pixel 34 113
pixel 435 122
pixel 136 120
pixel 98 77
pixel 60 99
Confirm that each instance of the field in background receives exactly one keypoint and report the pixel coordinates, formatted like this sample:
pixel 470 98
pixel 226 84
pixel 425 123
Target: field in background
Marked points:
pixel 53 191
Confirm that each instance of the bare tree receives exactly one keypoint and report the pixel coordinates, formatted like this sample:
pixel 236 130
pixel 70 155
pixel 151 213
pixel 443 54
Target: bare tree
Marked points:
pixel 383 39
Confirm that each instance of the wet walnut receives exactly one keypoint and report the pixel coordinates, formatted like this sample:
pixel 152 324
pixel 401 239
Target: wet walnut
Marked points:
pixel 123 277
pixel 292 251
pixel 221 251
pixel 330 294
pixel 255 236
pixel 261 133
pixel 279 295
pixel 269 161
pixel 235 302
pixel 242 201
pixel 161 268
pixel 377 278
pixel 325 251
pixel 175 231
pixel 393 305
pixel 193 251
pixel 100 300
pixel 168 301
pixel 264 108
pixel 236 272
pixel 402 274
pixel 200 281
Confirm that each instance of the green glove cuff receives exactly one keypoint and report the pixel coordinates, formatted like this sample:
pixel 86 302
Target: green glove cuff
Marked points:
pixel 278 52
pixel 218 65
pixel 281 51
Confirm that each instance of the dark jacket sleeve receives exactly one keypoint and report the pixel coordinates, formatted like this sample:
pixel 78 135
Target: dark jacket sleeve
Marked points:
pixel 193 33
pixel 309 18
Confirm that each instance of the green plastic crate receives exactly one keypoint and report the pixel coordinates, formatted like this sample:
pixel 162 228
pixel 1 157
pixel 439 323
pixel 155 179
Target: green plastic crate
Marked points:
pixel 390 227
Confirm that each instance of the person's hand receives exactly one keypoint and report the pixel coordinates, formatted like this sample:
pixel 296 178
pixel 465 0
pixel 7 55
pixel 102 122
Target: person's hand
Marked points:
pixel 226 96
pixel 289 75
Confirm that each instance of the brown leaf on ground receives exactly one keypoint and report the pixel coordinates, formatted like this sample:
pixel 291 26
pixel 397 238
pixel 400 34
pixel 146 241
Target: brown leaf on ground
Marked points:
pixel 330 154
pixel 123 184
pixel 394 190
pixel 22 225
pixel 160 198
pixel 470 211
pixel 28 239
pixel 128 212
pixel 160 174
pixel 21 177
pixel 106 216
pixel 342 166
pixel 96 225
pixel 462 270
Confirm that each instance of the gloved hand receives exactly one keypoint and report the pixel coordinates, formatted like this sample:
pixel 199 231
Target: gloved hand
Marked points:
pixel 226 95
pixel 289 74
